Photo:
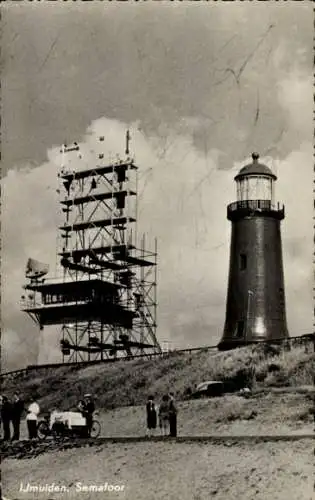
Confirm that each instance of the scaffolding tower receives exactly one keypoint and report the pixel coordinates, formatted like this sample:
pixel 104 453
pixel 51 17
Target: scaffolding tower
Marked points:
pixel 106 299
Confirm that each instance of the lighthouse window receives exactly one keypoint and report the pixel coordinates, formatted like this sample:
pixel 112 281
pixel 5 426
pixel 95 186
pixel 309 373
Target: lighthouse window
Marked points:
pixel 243 261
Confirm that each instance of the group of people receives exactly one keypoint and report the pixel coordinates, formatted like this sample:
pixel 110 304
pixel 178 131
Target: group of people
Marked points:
pixel 13 409
pixel 167 414
pixel 11 414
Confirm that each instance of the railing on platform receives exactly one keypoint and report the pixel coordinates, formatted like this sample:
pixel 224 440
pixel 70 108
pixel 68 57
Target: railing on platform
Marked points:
pixel 258 206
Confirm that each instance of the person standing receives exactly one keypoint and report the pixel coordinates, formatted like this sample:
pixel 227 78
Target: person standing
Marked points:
pixel 31 418
pixel 1 400
pixel 17 410
pixel 172 416
pixel 6 413
pixel 87 411
pixel 164 415
pixel 151 416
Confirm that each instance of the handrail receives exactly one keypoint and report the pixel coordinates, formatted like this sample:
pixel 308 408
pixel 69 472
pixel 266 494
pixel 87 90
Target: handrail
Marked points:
pixel 240 208
pixel 256 205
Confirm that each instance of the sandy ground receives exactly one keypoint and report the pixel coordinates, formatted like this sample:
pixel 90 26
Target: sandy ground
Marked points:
pixel 170 470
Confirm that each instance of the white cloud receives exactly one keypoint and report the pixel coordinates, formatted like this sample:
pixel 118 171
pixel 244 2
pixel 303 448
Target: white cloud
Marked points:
pixel 295 94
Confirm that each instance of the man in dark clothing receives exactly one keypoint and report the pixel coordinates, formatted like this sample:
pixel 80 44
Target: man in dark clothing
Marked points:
pixel 17 410
pixel 88 409
pixel 1 399
pixel 6 410
pixel 151 416
pixel 172 416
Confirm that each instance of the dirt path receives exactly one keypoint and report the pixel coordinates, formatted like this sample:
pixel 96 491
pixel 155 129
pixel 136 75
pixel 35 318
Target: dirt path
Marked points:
pixel 172 471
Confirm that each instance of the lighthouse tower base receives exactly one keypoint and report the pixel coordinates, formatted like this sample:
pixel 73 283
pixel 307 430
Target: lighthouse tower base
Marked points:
pixel 255 309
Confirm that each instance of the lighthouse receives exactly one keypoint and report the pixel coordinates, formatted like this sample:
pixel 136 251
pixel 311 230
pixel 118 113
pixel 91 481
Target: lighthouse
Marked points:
pixel 255 307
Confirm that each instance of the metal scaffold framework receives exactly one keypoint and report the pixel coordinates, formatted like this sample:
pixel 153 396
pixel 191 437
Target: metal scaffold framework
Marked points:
pixel 106 300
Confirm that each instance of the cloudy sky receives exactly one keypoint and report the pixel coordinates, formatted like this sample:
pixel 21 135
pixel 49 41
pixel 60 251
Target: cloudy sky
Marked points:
pixel 201 86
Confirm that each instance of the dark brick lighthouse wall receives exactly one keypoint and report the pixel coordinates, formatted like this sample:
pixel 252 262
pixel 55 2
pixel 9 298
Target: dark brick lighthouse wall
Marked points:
pixel 256 266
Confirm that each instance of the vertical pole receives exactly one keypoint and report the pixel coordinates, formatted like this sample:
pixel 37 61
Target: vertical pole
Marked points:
pixel 102 339
pixel 66 247
pixel 63 338
pixel 58 245
pixel 155 289
pixel 86 235
pixel 136 196
pixel 112 210
pixel 89 338
pixel 142 309
pixel 272 193
pixel 249 293
pixel 82 212
pixel 114 335
pixel 59 195
pixel 39 346
pixel 67 234
pixel 127 204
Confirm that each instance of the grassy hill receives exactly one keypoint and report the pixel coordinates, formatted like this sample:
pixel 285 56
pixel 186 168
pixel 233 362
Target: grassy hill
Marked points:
pixel 126 383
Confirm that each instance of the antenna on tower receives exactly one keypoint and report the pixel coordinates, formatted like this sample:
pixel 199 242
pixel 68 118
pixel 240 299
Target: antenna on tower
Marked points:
pixel 127 142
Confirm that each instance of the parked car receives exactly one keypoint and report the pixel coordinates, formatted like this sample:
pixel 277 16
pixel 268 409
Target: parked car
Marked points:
pixel 210 388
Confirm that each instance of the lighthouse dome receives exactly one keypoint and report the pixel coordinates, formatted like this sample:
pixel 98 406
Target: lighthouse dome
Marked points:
pixel 255 168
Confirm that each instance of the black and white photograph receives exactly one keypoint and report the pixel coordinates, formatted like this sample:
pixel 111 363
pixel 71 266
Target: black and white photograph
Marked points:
pixel 157 312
